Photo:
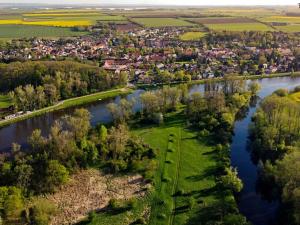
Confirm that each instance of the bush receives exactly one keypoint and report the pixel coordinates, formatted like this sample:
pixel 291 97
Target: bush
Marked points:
pixel 192 202
pixel 204 133
pixel 281 92
pixel 114 204
pixel 132 203
pixel 162 216
pixel 166 179
pixel 42 211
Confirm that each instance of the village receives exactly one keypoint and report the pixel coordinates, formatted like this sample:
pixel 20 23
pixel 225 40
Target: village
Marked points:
pixel 156 55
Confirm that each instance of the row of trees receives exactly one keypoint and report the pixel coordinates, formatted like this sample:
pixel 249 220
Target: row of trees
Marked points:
pixel 44 83
pixel 275 141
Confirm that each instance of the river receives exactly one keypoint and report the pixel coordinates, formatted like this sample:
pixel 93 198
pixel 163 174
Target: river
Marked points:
pixel 251 203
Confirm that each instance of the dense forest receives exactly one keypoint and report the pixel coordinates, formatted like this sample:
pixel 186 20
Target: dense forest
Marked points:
pixel 33 85
pixel 276 138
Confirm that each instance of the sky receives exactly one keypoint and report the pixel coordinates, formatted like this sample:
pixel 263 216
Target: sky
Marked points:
pixel 158 2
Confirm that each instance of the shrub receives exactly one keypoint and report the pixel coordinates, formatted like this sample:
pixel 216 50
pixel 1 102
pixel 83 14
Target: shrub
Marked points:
pixel 42 211
pixel 162 216
pixel 281 92
pixel 191 203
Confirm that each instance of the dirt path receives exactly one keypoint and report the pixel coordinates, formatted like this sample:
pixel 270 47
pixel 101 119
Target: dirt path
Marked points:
pixel 175 185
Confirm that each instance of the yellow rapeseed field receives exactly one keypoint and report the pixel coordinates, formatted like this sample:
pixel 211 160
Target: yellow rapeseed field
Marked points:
pixel 60 14
pixel 55 23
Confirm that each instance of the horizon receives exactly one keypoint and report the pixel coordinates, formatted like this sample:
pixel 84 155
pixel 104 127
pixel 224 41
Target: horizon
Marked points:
pixel 216 3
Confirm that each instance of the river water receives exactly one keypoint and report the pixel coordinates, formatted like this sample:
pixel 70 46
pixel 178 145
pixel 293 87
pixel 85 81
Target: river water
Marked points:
pixel 251 203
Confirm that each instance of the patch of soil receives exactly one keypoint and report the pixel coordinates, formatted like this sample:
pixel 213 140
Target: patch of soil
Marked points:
pixel 90 190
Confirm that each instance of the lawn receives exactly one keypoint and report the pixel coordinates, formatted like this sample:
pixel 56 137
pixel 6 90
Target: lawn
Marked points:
pixel 5 101
pixel 186 171
pixel 193 35
pixel 239 27
pixel 162 22
pixel 27 31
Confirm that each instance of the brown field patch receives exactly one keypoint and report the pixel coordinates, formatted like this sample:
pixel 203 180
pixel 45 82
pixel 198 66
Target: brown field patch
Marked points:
pixel 127 27
pixel 223 20
pixel 90 190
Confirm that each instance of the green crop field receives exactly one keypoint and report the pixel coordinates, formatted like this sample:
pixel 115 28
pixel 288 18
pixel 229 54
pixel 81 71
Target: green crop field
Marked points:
pixel 193 35
pixel 27 31
pixel 5 102
pixel 162 22
pixel 291 28
pixel 239 27
pixel 281 19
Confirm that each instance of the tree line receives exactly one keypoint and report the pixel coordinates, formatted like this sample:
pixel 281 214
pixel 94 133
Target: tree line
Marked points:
pixel 275 144
pixel 33 85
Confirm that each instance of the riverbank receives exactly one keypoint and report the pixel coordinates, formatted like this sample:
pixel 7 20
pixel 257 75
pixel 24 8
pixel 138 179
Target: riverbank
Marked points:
pixel 69 103
pixel 248 77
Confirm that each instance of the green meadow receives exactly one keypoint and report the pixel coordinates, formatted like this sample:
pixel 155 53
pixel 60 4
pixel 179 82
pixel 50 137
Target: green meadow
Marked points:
pixel 185 185
pixel 193 35
pixel 239 27
pixel 5 101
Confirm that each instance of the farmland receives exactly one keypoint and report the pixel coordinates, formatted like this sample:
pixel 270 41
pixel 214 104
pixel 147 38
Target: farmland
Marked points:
pixel 162 22
pixel 21 31
pixel 290 28
pixel 193 35
pixel 281 19
pixel 239 27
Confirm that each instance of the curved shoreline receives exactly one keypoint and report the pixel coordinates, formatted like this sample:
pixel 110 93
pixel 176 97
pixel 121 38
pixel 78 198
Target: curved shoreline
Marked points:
pixel 77 101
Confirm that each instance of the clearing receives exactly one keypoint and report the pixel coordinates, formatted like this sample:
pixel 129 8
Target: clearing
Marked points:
pixel 90 190
pixel 186 172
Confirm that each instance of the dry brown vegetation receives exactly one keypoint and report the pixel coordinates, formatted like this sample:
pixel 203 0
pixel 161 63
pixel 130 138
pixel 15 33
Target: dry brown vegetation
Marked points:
pixel 90 190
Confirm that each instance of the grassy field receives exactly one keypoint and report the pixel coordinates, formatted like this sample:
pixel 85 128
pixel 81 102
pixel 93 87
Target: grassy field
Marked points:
pixel 162 22
pixel 186 171
pixel 193 35
pixel 27 31
pixel 291 28
pixel 4 102
pixel 55 23
pixel 239 27
pixel 281 19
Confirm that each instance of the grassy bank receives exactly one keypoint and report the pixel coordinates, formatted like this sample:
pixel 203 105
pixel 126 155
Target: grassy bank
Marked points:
pixel 185 185
pixel 248 77
pixel 5 102
pixel 69 103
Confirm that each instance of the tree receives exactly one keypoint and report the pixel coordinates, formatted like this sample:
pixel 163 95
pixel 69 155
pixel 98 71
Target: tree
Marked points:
pixel 13 204
pixel 56 175
pixel 79 123
pixel 231 180
pixel 254 87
